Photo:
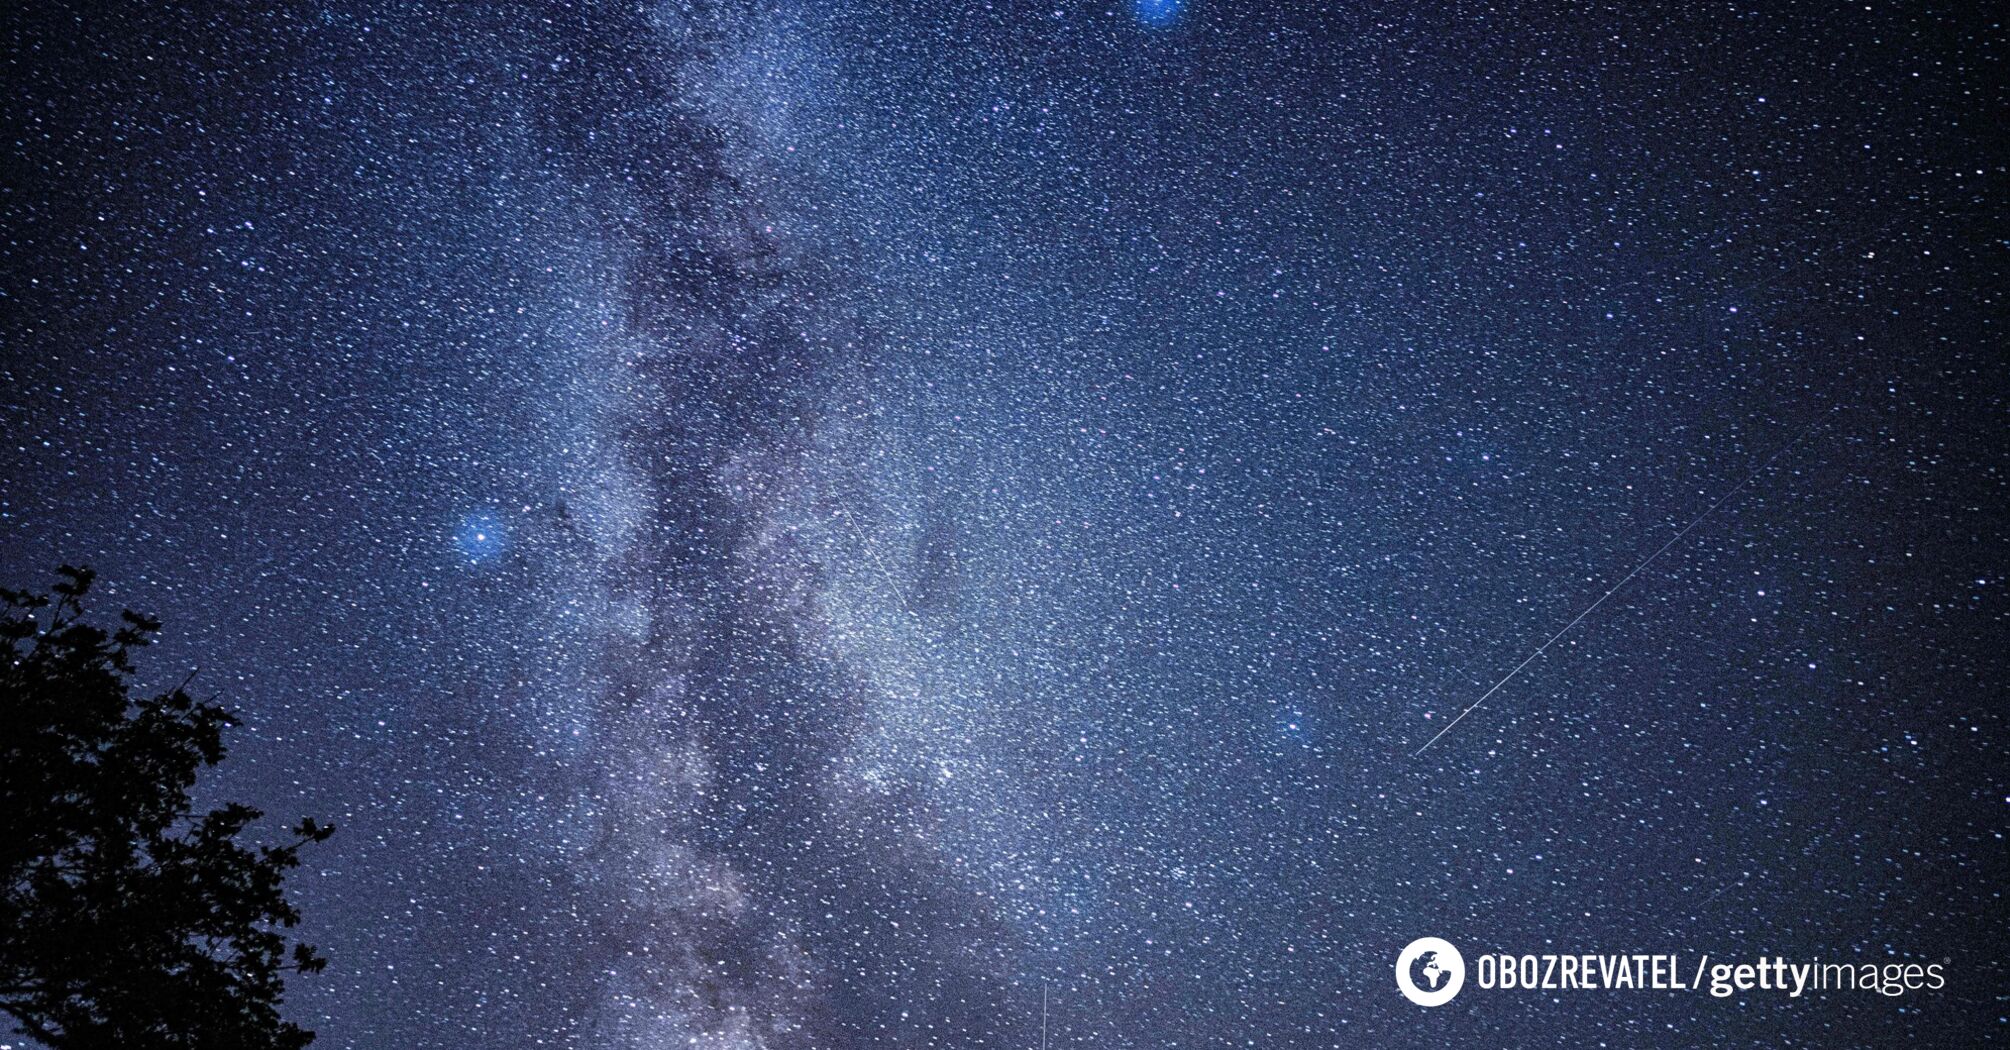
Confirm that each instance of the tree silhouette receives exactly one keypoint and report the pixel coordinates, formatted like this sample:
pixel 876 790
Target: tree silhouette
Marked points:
pixel 126 920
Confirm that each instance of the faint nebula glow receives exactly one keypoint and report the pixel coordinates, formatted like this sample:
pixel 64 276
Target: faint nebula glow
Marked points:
pixel 1159 13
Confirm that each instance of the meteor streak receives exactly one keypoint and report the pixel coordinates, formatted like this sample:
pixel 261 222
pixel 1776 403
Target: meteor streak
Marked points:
pixel 1614 589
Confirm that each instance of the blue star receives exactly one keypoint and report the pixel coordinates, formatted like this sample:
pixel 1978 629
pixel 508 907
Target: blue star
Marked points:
pixel 1159 13
pixel 481 536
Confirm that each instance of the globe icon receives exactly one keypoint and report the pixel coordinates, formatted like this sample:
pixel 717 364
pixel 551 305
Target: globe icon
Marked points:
pixel 1427 974
pixel 1430 971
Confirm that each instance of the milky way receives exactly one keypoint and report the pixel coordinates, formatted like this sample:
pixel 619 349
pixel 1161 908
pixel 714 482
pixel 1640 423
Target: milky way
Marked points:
pixel 776 525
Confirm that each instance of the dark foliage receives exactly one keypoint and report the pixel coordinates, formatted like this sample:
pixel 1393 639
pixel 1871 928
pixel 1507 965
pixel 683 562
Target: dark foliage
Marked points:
pixel 127 920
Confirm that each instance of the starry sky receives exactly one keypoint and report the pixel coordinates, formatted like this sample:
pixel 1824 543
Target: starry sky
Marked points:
pixel 786 525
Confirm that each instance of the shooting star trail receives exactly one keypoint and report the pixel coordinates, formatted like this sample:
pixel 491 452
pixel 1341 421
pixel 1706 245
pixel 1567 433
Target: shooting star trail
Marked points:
pixel 1043 1015
pixel 892 585
pixel 1614 589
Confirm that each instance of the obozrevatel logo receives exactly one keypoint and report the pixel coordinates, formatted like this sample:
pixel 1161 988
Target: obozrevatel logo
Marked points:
pixel 1430 971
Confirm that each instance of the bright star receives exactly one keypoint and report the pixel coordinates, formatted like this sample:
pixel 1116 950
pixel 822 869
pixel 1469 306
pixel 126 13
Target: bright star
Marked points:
pixel 481 536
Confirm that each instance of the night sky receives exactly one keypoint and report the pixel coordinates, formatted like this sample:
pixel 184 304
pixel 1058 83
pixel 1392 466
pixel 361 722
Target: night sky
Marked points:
pixel 804 525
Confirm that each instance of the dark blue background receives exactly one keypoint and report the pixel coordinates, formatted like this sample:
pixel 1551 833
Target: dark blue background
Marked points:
pixel 976 499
